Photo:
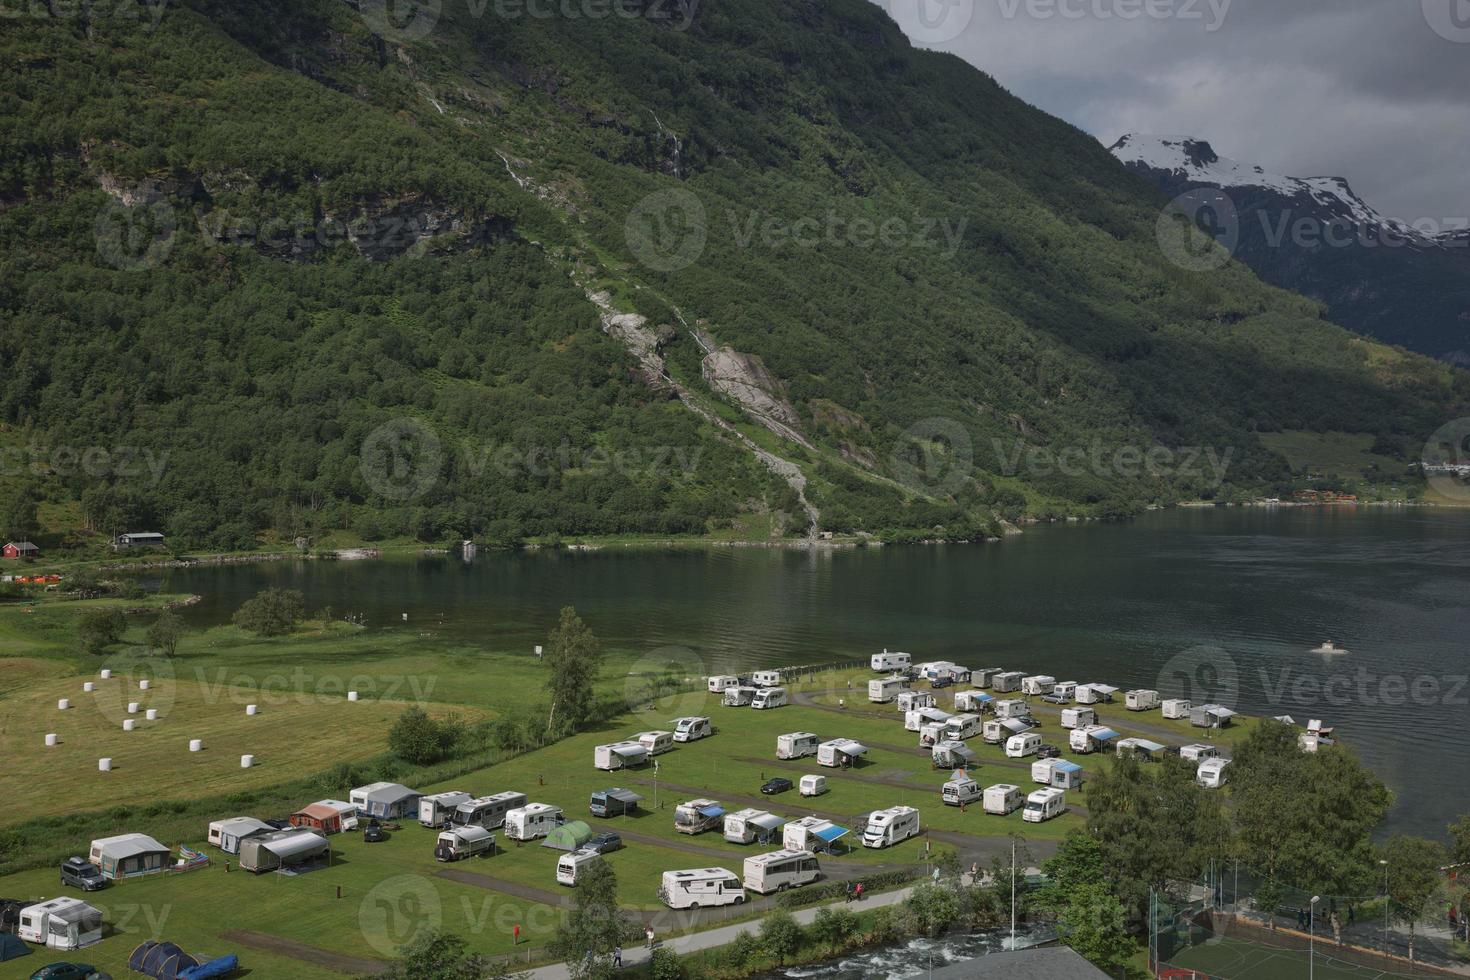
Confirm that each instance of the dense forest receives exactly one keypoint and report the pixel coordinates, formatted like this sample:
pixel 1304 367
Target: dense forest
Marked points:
pixel 327 278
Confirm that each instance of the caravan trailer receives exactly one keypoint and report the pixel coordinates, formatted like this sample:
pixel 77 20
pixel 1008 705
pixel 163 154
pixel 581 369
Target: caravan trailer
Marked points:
pixel 719 682
pixel 960 792
pixel 1041 771
pixel 914 700
pixel 1141 699
pixel 780 870
pixel 1006 681
pixel 657 743
pixel 1066 775
pixel 812 785
pixel 1210 716
pixel 738 697
pixel 569 864
pixel 766 678
pixel 1002 798
pixel 700 888
pixel 973 701
pixel 885 689
pixel 1020 746
pixel 961 727
pixel 619 755
pixel 886 661
pixel 61 923
pixel 439 807
pixel 1038 684
pixel 692 728
pixel 769 697
pixel 840 752
pixel 1177 708
pixel 487 811
pixel 283 849
pixel 1143 748
pixel 950 754
pixel 1078 717
pixel 891 826
pixel 1211 773
pixel 1093 738
pixel 228 834
pixel 1064 691
pixel 931 734
pixel 751 825
pixel 1010 708
pixel 1043 805
pixel 919 717
pixel 463 842
pixel 1095 693
pixel 615 802
pixel 997 730
pixel 697 816
pixel 983 676
pixel 796 745
pixel 532 821
pixel 1198 752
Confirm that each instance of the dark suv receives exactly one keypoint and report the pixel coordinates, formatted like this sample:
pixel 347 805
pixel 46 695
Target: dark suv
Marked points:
pixel 80 873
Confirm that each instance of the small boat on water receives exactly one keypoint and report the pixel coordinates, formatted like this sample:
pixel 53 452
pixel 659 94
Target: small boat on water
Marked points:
pixel 1329 649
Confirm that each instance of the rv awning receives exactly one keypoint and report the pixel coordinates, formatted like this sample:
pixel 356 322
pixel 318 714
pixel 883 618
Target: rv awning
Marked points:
pixel 1146 745
pixel 852 748
pixel 830 833
pixel 1285 719
pixel 959 748
pixel 634 751
pixel 1103 735
pixel 711 811
pixel 472 833
pixel 1104 688
pixel 766 821
pixel 1062 765
pixel 1220 712
pixel 297 844
pixel 239 826
pixel 934 714
pixel 1015 725
pixel 623 795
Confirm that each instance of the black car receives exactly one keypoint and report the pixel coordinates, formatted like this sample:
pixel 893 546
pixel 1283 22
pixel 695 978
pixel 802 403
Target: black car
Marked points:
pixel 940 682
pixel 603 843
pixel 65 971
pixel 778 785
pixel 1048 751
pixel 81 873
pixel 374 833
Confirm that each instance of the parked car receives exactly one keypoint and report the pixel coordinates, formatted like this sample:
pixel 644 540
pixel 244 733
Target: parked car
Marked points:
pixel 778 785
pixel 1048 751
pixel 64 971
pixel 940 682
pixel 603 843
pixel 1056 698
pixel 81 873
pixel 374 833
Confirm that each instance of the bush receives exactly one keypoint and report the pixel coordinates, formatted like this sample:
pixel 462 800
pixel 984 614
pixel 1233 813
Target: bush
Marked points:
pixel 742 950
pixel 417 738
pixel 781 936
pixel 834 927
pixel 664 965
pixel 101 628
pixel 272 612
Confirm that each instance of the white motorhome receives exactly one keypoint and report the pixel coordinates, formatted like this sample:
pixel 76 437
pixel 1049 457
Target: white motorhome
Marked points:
pixel 951 754
pixel 1067 775
pixel 487 811
pixel 1064 692
pixel 883 690
pixel 914 700
pixel 1210 716
pixel 931 734
pixel 1006 681
pixel 997 730
pixel 697 816
pixel 886 661
pixel 1092 738
pixel 1078 717
pixel 766 678
pixel 463 842
pixel 796 745
pixel 1211 773
pixel 809 834
pixel 813 785
pixel 61 923
pixel 719 682
pixel 919 717
pixel 1141 699
pixel 1198 752
pixel 692 728
pixel 751 825
pixel 1041 771
pixel 1177 708
pixel 570 864
pixel 780 870
pixel 439 807
pixel 985 675
pixel 700 888
pixel 619 755
pixel 1010 708
pixel 1020 746
pixel 891 826
pixel 532 821
pixel 769 697
pixel 840 753
pixel 1095 693
pixel 1038 684
pixel 657 743
pixel 960 792
pixel 1044 804
pixel 738 696
pixel 961 727
pixel 1002 798
pixel 973 701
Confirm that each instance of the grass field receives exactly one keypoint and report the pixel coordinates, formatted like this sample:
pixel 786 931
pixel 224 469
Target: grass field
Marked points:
pixel 1238 959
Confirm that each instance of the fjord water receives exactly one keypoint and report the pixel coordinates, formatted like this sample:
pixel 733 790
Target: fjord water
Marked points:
pixel 1224 603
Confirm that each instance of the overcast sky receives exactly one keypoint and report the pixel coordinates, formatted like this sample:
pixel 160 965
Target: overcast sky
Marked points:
pixel 1377 91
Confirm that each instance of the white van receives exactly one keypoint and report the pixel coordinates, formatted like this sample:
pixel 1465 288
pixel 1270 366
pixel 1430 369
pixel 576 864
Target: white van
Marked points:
pixel 487 811
pixel 1038 684
pixel 1198 752
pixel 1010 708
pixel 569 864
pixel 884 689
pixel 1211 773
pixel 766 678
pixel 697 816
pixel 434 810
pixel 1176 708
pixel 700 888
pixel 780 870
pixel 719 682
pixel 1078 717
pixel 959 792
pixel 1044 804
pixel 961 727
pixel 1002 798
pixel 919 717
pixel 886 661
pixel 813 785
pixel 796 745
pixel 463 842
pixel 750 825
pixel 738 696
pixel 532 821
pixel 914 700
pixel 1020 746
pixel 692 728
pixel 1006 681
pixel 1141 700
pixel 657 743
pixel 769 697
pixel 891 826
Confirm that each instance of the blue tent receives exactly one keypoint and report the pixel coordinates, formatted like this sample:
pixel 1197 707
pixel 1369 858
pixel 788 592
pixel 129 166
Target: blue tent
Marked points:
pixel 11 947
pixel 221 966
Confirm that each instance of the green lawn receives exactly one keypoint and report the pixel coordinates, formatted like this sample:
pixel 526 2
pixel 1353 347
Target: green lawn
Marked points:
pixel 1237 959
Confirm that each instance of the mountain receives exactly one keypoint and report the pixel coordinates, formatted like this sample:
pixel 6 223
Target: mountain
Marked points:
pixel 1403 283
pixel 726 267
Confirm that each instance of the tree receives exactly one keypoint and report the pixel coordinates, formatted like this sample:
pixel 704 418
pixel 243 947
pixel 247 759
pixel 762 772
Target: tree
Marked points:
pixel 934 907
pixel 165 632
pixel 1414 878
pixel 1095 924
pixel 574 657
pixel 594 927
pixel 100 629
pixel 833 927
pixel 781 936
pixel 18 513
pixel 273 612
pixel 1460 840
pixel 663 964
pixel 417 738
pixel 434 955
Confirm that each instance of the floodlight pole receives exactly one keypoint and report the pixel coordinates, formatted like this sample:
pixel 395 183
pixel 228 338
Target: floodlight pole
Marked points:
pixel 1312 938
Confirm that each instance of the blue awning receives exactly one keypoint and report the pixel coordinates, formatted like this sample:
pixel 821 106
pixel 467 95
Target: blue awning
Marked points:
pixel 711 811
pixel 1065 766
pixel 830 834
pixel 1105 735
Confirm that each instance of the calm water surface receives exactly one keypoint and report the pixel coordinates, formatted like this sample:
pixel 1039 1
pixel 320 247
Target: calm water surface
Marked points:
pixel 1222 602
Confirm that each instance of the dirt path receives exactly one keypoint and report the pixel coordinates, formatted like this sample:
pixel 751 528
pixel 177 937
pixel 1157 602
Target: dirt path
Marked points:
pixel 529 893
pixel 357 965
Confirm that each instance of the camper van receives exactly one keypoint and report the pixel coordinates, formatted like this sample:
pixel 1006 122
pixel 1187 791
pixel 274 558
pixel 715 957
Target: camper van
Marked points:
pixel 697 816
pixel 1198 752
pixel 738 697
pixel 1044 804
pixel 692 728
pixel 531 821
pixel 951 754
pixel 1041 771
pixel 487 811
pixel 960 792
pixel 812 785
pixel 657 743
pixel 780 870
pixel 1095 693
pixel 227 834
pixel 619 755
pixel 463 842
pixel 700 888
pixel 891 826
pixel 998 730
pixel 1002 798
pixel 886 661
pixel 750 825
pixel 1064 692
pixel 766 678
pixel 61 923
pixel 885 689
pixel 961 727
pixel 919 717
pixel 914 700
pixel 1038 684
pixel 719 682
pixel 796 745
pixel 1078 717
pixel 931 734
pixel 1176 708
pixel 613 802
pixel 1006 681
pixel 973 701
pixel 1141 700
pixel 439 807
pixel 1010 708
pixel 569 864
pixel 1092 738
pixel 1020 746
pixel 769 697
pixel 840 752
pixel 1211 773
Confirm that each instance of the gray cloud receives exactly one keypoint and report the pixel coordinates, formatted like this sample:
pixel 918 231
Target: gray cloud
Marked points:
pixel 1369 90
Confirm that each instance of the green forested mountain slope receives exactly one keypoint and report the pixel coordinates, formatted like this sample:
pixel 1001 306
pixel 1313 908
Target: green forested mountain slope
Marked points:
pixel 924 291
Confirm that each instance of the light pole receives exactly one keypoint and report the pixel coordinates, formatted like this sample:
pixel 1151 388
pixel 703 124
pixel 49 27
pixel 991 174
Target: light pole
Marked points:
pixel 1312 937
pixel 1013 893
pixel 1385 902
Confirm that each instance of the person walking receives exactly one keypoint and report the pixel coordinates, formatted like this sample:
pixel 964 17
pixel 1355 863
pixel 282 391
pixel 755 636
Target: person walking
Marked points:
pixel 648 935
pixel 618 956
pixel 858 891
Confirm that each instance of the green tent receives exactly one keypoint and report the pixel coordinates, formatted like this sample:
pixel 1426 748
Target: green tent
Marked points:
pixel 569 836
pixel 11 947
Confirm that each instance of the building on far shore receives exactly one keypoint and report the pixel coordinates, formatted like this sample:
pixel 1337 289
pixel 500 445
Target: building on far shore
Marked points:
pixel 138 539
pixel 1037 963
pixel 19 549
